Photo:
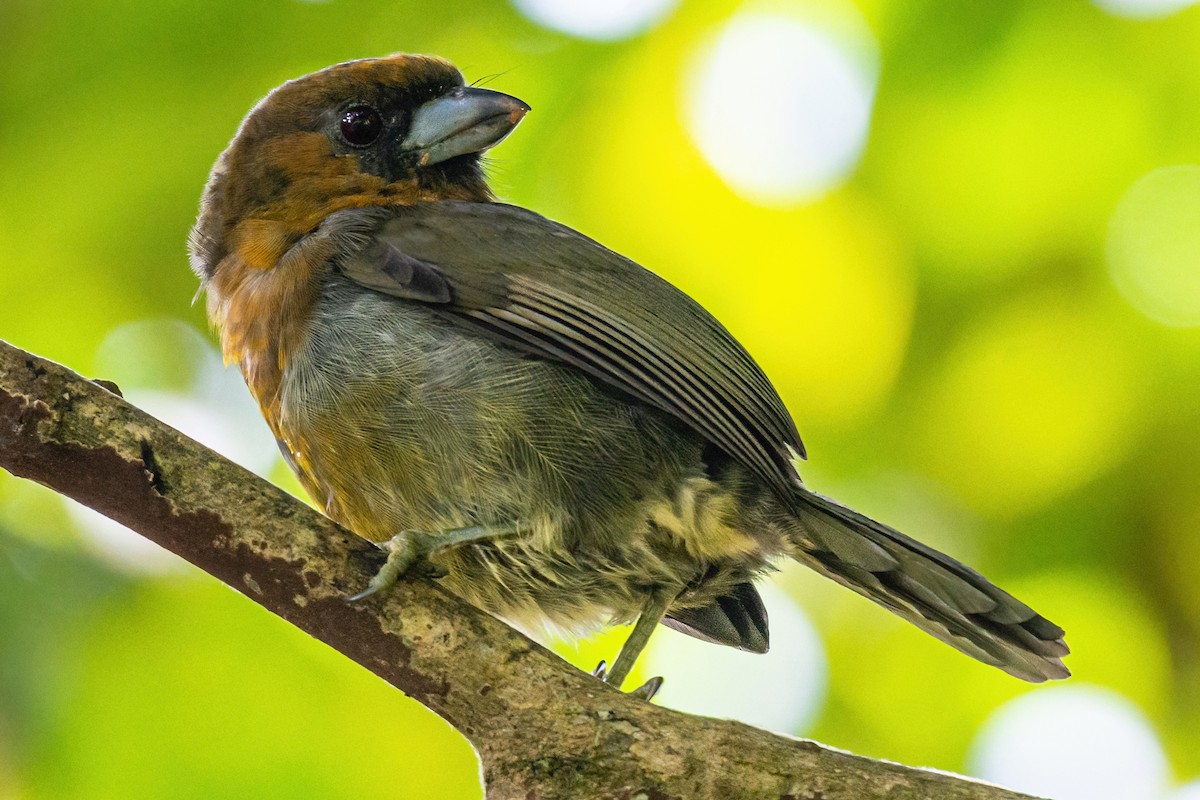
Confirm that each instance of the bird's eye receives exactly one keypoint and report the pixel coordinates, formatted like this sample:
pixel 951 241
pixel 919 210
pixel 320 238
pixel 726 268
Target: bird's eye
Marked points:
pixel 361 125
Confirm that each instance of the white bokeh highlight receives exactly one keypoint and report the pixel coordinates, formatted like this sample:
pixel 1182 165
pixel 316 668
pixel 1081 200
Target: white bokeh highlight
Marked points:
pixel 210 403
pixel 608 20
pixel 781 690
pixel 1189 791
pixel 1142 9
pixel 780 105
pixel 1072 743
pixel 1153 246
pixel 120 547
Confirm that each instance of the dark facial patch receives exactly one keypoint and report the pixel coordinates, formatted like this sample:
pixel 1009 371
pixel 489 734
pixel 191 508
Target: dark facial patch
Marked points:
pixel 274 156
pixel 273 184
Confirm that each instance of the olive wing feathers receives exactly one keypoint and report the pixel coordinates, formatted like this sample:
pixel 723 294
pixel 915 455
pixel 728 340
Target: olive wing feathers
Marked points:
pixel 545 288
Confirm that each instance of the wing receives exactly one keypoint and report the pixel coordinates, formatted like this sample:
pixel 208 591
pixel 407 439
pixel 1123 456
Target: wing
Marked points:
pixel 549 290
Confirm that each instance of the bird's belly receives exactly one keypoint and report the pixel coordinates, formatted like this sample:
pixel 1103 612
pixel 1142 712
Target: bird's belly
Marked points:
pixel 401 420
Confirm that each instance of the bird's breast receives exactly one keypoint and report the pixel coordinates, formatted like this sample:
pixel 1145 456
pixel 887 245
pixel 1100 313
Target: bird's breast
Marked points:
pixel 400 419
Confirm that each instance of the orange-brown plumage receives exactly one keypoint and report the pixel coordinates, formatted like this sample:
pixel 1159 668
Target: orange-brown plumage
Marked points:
pixel 288 182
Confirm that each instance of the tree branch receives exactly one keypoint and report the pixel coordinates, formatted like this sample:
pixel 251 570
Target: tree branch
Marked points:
pixel 542 728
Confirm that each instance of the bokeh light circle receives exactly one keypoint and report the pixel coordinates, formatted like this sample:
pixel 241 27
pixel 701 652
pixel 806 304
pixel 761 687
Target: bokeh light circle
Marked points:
pixel 119 547
pixel 781 690
pixel 1072 743
pixel 1154 245
pixel 780 106
pixel 608 20
pixel 1035 400
pixel 1189 791
pixel 1142 9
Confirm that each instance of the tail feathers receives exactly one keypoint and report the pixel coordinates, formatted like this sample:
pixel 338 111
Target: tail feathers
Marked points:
pixel 929 589
pixel 737 619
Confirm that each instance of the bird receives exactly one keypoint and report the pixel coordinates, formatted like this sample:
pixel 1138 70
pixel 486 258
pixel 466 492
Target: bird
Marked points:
pixel 558 435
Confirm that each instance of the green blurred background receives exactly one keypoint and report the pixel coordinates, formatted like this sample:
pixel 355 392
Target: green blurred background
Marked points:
pixel 962 237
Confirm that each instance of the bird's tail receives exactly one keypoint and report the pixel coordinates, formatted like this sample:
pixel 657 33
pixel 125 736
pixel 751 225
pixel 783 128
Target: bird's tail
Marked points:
pixel 933 591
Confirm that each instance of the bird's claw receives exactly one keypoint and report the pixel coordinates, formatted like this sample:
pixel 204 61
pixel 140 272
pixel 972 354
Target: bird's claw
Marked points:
pixel 646 691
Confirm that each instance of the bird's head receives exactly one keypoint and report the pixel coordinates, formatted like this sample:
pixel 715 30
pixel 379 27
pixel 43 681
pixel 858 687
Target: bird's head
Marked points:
pixel 395 130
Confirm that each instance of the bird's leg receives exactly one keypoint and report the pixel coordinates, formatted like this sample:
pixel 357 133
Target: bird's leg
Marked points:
pixel 652 613
pixel 407 547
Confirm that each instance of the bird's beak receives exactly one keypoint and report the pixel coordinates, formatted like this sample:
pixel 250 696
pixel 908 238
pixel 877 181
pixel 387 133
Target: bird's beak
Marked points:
pixel 466 120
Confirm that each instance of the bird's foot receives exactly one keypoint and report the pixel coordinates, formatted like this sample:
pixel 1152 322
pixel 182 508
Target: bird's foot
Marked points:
pixel 407 548
pixel 646 691
pixel 652 613
pixel 403 552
